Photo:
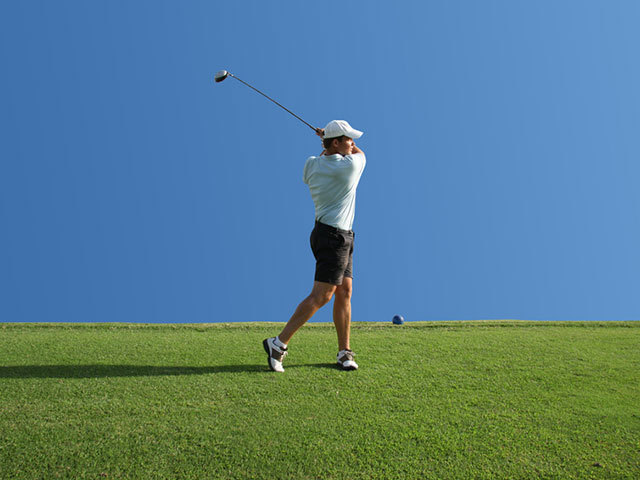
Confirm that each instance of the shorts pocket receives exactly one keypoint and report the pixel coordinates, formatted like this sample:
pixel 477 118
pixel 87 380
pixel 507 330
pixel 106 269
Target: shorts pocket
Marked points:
pixel 336 240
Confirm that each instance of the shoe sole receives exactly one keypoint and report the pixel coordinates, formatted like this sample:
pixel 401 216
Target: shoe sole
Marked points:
pixel 341 367
pixel 265 344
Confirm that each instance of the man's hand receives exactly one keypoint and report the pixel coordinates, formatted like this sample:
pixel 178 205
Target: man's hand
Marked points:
pixel 320 133
pixel 355 149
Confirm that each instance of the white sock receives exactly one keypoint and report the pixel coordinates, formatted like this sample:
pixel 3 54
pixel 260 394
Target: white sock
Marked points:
pixel 279 344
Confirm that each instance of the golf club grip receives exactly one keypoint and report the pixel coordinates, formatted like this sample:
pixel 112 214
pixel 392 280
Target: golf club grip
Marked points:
pixel 281 106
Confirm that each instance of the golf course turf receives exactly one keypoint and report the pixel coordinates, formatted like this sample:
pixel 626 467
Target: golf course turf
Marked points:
pixel 485 399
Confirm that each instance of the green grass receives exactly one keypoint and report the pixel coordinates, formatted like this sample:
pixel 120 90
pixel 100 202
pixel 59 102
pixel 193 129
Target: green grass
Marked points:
pixel 431 400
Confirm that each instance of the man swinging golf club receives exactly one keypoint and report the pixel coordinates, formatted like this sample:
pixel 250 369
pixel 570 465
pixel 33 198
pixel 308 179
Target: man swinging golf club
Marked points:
pixel 332 178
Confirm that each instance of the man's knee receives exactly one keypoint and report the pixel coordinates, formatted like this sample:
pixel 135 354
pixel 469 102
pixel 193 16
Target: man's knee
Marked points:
pixel 343 292
pixel 321 297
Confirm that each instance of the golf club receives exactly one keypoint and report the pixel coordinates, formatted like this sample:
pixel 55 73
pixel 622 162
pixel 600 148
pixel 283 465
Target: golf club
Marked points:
pixel 222 74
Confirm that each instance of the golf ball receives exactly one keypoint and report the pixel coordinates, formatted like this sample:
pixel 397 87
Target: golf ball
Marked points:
pixel 398 320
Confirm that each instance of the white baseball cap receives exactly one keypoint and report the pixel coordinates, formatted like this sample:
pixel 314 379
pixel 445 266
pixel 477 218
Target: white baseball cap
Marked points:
pixel 337 128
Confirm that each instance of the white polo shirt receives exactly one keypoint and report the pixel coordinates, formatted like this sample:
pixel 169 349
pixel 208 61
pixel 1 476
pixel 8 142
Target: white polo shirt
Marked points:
pixel 333 180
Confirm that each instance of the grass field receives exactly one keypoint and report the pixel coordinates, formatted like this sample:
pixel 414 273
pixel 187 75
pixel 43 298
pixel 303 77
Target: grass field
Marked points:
pixel 431 400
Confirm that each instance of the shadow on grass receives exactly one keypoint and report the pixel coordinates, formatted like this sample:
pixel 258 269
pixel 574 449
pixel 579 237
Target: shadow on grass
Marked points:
pixel 331 366
pixel 103 371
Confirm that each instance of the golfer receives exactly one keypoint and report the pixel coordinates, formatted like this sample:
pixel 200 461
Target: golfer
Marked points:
pixel 332 178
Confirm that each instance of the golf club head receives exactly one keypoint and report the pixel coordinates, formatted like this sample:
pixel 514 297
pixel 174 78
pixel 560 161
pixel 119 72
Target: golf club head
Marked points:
pixel 220 76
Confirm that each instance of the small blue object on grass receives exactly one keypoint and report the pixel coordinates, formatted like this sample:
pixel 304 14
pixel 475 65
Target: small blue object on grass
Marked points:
pixel 398 320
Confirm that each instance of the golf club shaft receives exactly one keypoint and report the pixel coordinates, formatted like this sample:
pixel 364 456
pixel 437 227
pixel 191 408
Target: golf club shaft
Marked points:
pixel 281 106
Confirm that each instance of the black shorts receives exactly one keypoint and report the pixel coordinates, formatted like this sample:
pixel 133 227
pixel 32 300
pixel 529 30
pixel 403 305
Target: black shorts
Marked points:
pixel 333 249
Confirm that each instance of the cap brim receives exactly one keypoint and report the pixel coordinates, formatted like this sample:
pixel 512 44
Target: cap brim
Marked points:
pixel 347 132
pixel 354 134
pixel 351 134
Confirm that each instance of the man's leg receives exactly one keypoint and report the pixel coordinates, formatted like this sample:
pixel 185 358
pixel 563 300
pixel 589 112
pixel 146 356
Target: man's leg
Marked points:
pixel 342 313
pixel 320 295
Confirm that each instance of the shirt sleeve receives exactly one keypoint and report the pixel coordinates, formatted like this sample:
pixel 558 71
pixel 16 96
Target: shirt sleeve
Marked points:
pixel 306 172
pixel 358 160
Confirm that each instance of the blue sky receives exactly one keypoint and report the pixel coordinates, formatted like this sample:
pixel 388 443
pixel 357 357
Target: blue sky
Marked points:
pixel 501 137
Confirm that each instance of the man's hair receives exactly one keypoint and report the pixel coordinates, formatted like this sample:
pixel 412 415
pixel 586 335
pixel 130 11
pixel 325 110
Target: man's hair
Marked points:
pixel 326 142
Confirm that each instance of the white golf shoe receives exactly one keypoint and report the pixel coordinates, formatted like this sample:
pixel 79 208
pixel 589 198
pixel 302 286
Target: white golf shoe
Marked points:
pixel 345 360
pixel 275 354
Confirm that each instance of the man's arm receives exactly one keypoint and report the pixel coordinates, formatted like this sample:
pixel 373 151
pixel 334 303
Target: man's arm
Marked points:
pixel 356 149
pixel 320 133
